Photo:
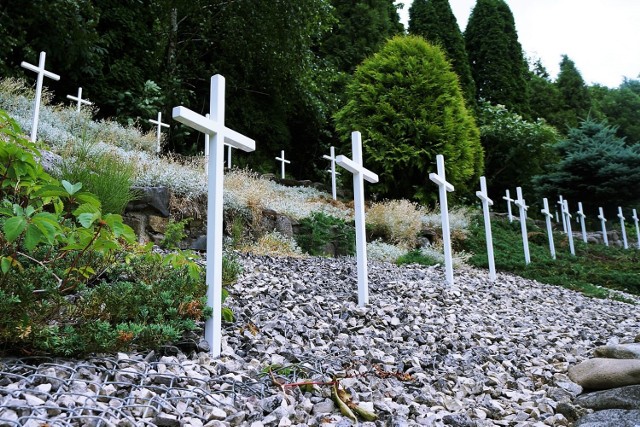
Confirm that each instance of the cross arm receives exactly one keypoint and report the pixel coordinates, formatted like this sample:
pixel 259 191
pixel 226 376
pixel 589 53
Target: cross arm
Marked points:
pixel 438 180
pixel 35 69
pixel 155 122
pixel 208 126
pixel 354 168
pixel 484 197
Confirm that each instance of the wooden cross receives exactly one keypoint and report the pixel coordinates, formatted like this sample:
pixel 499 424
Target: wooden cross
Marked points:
pixel 567 217
pixel 582 217
pixel 486 202
pixel 564 222
pixel 603 220
pixel 282 161
pixel 214 126
pixel 159 130
pixel 444 187
pixel 509 200
pixel 635 220
pixel 520 202
pixel 79 99
pixel 360 174
pixel 332 158
pixel 547 217
pixel 624 229
pixel 42 73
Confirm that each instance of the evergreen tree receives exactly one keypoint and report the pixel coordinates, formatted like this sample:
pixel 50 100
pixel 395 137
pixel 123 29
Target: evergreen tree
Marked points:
pixel 576 101
pixel 545 100
pixel 498 66
pixel 434 20
pixel 596 167
pixel 620 106
pixel 406 101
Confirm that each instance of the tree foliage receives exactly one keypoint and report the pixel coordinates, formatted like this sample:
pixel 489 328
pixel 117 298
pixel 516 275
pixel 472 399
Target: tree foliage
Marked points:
pixel 515 149
pixel 576 101
pixel 596 167
pixel 545 99
pixel 498 65
pixel 620 106
pixel 407 102
pixel 434 20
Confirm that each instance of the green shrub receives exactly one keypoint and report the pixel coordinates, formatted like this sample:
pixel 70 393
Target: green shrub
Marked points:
pixel 174 234
pixel 320 229
pixel 416 256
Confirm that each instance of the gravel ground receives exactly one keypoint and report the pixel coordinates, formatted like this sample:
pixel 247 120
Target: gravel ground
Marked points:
pixel 421 353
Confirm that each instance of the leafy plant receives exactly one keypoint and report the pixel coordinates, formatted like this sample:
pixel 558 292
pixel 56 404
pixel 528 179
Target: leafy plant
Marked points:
pixel 417 256
pixel 320 229
pixel 174 234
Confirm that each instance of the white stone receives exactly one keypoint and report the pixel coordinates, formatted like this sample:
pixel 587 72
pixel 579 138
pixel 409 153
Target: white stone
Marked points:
pixel 332 158
pixel 486 202
pixel 282 161
pixel 79 99
pixel 567 220
pixel 42 73
pixel 547 216
pixel 623 228
pixel 159 130
pixel 603 220
pixel 508 198
pixel 520 203
pixel 581 216
pixel 214 126
pixel 360 173
pixel 444 187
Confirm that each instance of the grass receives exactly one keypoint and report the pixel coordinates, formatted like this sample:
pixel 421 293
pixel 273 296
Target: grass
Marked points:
pixel 594 271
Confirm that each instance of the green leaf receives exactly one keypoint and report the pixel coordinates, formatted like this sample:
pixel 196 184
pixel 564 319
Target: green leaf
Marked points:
pixel 86 208
pixel 87 219
pixel 227 314
pixel 32 237
pixel 114 222
pixel 88 198
pixel 48 224
pixel 13 227
pixel 5 264
pixel 71 188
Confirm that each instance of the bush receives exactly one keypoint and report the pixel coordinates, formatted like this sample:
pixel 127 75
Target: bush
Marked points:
pixel 407 102
pixel 319 230
pixel 275 244
pixel 174 234
pixel 396 221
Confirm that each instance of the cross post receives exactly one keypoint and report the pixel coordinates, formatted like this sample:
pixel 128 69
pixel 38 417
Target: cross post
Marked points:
pixel 42 73
pixel 206 151
pixel 282 161
pixel 444 187
pixel 603 220
pixel 547 217
pixel 564 221
pixel 215 127
pixel 520 203
pixel 635 220
pixel 624 229
pixel 229 157
pixel 582 227
pixel 159 130
pixel 360 174
pixel 567 216
pixel 486 202
pixel 508 198
pixel 79 99
pixel 332 158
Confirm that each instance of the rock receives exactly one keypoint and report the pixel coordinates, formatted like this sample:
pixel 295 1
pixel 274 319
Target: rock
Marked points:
pixel 458 420
pixel 151 199
pixel 216 414
pixel 325 407
pixel 602 374
pixel 610 418
pixel 620 351
pixel 158 224
pixel 199 244
pixel 167 420
pixel 617 398
pixel 50 162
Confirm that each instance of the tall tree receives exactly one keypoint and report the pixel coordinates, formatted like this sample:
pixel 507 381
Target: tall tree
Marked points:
pixel 406 101
pixel 497 62
pixel 620 106
pixel 576 101
pixel 434 20
pixel 545 100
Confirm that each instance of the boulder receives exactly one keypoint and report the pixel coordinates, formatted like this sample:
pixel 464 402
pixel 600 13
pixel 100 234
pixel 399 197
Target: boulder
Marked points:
pixel 610 418
pixel 620 351
pixel 618 398
pixel 603 374
pixel 154 199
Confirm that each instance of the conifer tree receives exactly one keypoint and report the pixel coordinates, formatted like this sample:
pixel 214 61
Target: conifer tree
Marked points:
pixel 498 66
pixel 576 101
pixel 434 20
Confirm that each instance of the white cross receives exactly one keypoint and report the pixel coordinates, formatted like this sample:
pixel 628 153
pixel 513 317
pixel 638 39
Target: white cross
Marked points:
pixel 79 99
pixel 229 157
pixel 444 187
pixel 582 227
pixel 509 200
pixel 547 217
pixel 332 157
pixel 206 151
pixel 564 222
pixel 215 127
pixel 486 202
pixel 159 130
pixel 635 219
pixel 359 175
pixel 624 229
pixel 567 216
pixel 603 220
pixel 42 73
pixel 520 202
pixel 557 218
pixel 282 161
